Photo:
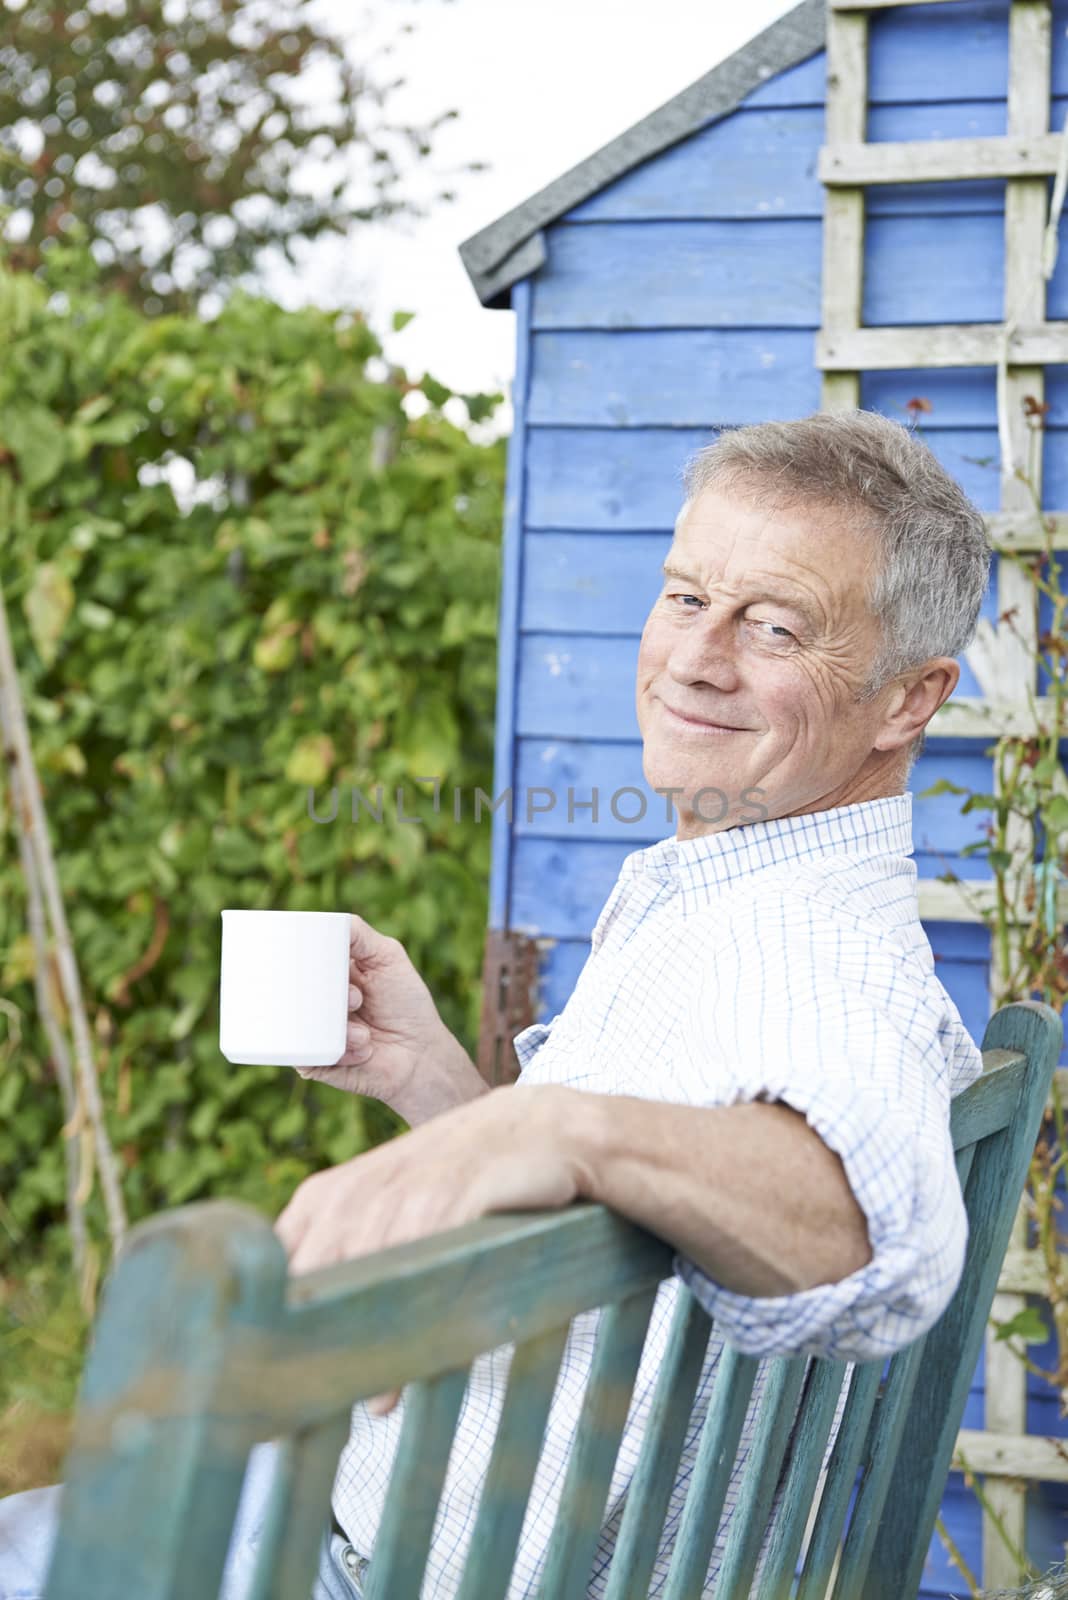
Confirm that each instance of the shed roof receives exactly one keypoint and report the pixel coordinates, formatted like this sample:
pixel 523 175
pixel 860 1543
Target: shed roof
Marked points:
pixel 511 248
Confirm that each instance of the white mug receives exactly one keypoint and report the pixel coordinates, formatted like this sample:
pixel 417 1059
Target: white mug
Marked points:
pixel 285 987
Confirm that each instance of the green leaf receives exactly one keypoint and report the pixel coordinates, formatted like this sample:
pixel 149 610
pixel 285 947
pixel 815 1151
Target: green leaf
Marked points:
pixel 943 786
pixel 36 439
pixel 277 651
pixel 311 760
pixel 48 604
pixel 1026 1325
pixel 1056 814
pixel 94 616
pixel 428 740
pixel 401 319
pixel 436 392
pixel 981 802
pixel 481 406
pixel 121 428
pixel 1045 769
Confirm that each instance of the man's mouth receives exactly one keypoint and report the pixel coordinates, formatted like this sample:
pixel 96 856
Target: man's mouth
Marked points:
pixel 699 724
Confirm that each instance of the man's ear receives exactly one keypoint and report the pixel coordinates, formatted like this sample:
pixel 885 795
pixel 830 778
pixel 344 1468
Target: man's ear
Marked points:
pixel 914 699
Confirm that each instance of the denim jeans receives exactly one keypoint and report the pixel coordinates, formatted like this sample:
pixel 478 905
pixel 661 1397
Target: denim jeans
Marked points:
pixel 28 1529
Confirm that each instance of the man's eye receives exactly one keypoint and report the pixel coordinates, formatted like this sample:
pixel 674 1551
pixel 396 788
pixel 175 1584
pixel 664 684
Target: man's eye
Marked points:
pixel 777 627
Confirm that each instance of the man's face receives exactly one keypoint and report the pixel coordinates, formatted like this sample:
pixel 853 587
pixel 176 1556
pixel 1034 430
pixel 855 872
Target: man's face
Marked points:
pixel 761 625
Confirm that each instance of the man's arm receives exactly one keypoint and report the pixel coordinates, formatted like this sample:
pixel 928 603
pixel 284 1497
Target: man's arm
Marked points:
pixel 449 1078
pixel 749 1193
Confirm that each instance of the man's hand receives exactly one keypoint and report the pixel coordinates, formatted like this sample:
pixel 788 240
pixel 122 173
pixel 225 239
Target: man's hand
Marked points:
pixel 506 1151
pixel 398 1049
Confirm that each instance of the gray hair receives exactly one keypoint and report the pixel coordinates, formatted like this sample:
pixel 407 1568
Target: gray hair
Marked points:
pixel 927 588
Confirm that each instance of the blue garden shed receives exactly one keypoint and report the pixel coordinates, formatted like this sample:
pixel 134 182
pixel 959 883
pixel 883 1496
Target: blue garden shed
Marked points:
pixel 851 210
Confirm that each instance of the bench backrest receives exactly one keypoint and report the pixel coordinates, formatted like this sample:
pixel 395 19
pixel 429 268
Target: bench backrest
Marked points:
pixel 203 1348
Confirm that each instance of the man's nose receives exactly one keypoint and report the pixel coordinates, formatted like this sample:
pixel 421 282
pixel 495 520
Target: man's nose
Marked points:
pixel 705 653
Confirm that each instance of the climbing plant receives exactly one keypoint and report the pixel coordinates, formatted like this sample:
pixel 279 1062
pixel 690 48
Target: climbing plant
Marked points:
pixel 1025 918
pixel 239 564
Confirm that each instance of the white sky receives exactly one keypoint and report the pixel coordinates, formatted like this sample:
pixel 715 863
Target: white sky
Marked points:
pixel 539 85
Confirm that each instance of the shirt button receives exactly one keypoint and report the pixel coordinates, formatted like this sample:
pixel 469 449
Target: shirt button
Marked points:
pixel 351 1559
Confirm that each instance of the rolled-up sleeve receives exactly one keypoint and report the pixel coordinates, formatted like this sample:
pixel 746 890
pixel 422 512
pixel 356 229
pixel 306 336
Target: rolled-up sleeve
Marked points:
pixel 527 1044
pixel 823 1014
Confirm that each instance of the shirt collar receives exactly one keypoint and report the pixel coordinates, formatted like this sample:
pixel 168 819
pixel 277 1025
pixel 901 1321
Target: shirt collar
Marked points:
pixel 706 865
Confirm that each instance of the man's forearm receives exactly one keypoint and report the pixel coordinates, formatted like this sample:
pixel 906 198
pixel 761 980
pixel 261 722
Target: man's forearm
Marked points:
pixel 749 1193
pixel 445 1079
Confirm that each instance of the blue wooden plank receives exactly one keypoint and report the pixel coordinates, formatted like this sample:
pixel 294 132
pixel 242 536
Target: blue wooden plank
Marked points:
pixel 803 85
pixel 608 478
pixel 960 1511
pixel 942 268
pixel 681 376
pixel 1044 1539
pixel 762 163
pixel 959 942
pixel 681 275
pixel 934 269
pixel 1055 456
pixel 561 965
pixel 507 664
pixel 921 256
pixel 938 823
pixel 1059 66
pixel 966 981
pixel 590 581
pixel 559 888
pixel 917 56
pixel 960 397
pixel 574 773
pixel 749 164
pixel 629 479
pixel 701 378
pixel 916 119
pixel 1047 1505
pixel 569 684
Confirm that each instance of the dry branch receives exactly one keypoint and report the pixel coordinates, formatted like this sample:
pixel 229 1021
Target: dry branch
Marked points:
pixel 32 827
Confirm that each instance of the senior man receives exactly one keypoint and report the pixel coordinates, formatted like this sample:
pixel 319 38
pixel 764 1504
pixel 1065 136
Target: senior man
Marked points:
pixel 758 1059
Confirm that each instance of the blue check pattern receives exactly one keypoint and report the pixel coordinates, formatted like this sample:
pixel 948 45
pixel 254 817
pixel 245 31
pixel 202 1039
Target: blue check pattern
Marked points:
pixel 779 960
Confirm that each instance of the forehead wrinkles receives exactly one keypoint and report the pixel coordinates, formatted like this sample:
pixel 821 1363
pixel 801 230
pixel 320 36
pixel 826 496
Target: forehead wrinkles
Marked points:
pixel 777 583
pixel 826 565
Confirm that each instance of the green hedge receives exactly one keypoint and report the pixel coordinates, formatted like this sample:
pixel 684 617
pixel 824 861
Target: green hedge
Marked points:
pixel 321 612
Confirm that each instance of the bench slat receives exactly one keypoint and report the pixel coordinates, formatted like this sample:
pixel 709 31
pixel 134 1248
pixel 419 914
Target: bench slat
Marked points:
pixel 431 1408
pixel 841 1475
pixel 298 1511
pixel 516 1449
pixel 762 1473
pixel 658 1460
pixel 883 1448
pixel 735 1376
pixel 813 1429
pixel 616 1357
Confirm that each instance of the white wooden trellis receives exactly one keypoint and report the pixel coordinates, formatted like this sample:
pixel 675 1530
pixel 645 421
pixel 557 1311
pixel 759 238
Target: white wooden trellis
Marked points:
pixel 1019 347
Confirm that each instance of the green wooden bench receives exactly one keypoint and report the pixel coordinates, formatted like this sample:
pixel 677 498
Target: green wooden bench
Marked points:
pixel 202 1348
